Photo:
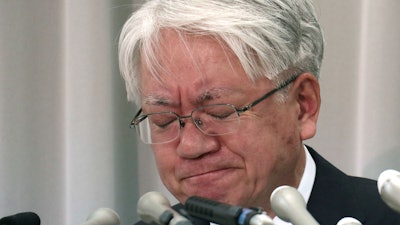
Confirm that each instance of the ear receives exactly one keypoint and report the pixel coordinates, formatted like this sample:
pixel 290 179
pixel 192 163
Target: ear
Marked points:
pixel 307 94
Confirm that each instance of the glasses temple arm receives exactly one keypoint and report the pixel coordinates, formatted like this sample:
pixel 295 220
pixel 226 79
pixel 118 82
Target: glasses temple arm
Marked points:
pixel 133 121
pixel 283 85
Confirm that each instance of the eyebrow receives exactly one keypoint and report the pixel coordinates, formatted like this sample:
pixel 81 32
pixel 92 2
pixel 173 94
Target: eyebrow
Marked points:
pixel 208 95
pixel 156 100
pixel 212 94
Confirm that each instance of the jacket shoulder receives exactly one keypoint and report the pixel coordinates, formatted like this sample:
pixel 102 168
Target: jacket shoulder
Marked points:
pixel 336 195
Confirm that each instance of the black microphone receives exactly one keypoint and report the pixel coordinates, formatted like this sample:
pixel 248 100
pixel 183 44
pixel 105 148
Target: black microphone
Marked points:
pixel 226 214
pixel 24 218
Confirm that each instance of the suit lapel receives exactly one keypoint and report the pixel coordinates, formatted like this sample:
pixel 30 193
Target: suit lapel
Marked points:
pixel 332 196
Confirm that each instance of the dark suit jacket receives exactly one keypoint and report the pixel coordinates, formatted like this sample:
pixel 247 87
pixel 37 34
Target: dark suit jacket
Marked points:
pixel 336 195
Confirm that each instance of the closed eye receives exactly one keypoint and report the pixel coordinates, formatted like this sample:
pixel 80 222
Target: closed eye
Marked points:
pixel 221 116
pixel 162 120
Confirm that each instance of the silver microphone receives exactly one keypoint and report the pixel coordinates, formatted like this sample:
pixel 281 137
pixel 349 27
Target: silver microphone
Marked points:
pixel 153 207
pixel 389 188
pixel 290 206
pixel 103 216
pixel 349 221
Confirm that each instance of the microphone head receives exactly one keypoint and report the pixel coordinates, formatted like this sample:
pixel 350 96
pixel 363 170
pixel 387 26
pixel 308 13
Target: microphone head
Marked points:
pixel 151 206
pixel 283 199
pixel 289 205
pixel 349 221
pixel 24 218
pixel 385 177
pixel 103 216
pixel 389 188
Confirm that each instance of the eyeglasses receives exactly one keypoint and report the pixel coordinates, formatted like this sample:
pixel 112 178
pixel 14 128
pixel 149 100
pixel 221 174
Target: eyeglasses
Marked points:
pixel 212 120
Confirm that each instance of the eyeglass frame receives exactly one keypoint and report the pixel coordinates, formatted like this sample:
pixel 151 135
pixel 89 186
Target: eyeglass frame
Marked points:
pixel 139 118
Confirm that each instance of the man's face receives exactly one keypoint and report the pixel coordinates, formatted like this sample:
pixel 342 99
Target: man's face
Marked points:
pixel 241 168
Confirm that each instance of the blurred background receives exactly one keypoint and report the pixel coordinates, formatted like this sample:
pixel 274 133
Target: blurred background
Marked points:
pixel 65 145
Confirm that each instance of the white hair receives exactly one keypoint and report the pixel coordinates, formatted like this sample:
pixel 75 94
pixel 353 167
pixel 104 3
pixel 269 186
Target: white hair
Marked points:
pixel 267 36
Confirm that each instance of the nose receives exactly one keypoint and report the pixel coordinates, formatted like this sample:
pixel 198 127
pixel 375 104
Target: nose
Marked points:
pixel 194 144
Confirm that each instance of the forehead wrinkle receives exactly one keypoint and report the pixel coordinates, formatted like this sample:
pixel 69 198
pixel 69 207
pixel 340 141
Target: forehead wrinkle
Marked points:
pixel 212 94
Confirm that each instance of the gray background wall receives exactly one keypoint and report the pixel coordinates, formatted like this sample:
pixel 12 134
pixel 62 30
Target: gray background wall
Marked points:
pixel 65 145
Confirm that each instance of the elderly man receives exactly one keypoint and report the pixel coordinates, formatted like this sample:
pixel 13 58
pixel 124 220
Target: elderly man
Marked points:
pixel 228 92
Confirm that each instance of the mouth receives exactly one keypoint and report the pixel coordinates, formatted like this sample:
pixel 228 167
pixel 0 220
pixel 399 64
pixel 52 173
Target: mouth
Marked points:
pixel 209 171
pixel 213 184
pixel 208 176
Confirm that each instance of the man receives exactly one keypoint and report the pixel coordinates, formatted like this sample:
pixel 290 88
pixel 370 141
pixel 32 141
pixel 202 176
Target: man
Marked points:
pixel 228 92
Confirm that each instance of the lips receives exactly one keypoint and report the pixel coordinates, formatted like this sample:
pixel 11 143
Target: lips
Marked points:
pixel 205 169
pixel 209 175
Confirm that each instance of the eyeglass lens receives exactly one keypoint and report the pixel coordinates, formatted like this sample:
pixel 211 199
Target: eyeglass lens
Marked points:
pixel 212 120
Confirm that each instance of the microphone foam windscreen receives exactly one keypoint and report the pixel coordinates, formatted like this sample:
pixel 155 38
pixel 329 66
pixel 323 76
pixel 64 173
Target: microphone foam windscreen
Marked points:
pixel 24 218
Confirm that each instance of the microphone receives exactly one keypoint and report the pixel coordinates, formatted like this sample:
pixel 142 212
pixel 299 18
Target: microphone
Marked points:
pixel 221 213
pixel 289 205
pixel 389 188
pixel 153 207
pixel 349 221
pixel 103 216
pixel 24 218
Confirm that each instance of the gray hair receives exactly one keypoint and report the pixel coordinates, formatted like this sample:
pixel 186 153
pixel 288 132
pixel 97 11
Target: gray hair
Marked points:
pixel 267 36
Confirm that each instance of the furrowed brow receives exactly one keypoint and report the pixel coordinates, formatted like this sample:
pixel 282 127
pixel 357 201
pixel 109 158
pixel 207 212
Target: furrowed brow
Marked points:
pixel 212 94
